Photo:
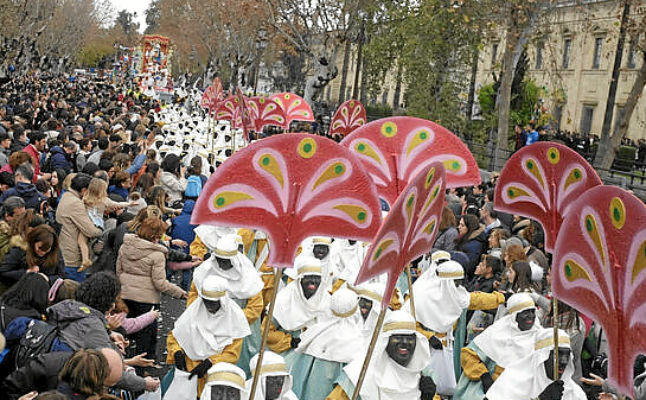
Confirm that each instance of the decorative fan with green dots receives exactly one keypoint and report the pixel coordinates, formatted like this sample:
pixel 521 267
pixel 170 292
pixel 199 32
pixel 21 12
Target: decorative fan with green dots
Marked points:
pixel 396 149
pixel 409 230
pixel 294 108
pixel 292 187
pixel 542 181
pixel 599 268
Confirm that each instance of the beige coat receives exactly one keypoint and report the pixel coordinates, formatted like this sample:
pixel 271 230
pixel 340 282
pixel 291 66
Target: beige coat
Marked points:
pixel 141 268
pixel 71 214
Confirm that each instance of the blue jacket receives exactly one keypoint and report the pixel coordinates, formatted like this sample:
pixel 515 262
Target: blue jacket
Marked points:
pixel 532 137
pixel 123 192
pixel 59 160
pixel 28 192
pixel 182 229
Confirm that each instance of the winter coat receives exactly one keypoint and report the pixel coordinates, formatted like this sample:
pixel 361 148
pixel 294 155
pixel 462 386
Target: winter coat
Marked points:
pixel 473 247
pixel 141 268
pixel 35 158
pixel 28 192
pixel 9 313
pixel 446 239
pixel 14 264
pixel 173 186
pixel 4 238
pixel 58 159
pixel 4 156
pixel 123 192
pixel 40 374
pixel 72 216
pixel 182 228
pixel 79 325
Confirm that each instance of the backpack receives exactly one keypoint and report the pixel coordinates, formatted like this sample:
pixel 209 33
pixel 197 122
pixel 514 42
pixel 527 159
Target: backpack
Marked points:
pixel 37 340
pixel 193 187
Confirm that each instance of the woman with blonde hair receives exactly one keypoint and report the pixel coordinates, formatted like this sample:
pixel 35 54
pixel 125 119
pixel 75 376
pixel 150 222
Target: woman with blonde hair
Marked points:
pixel 96 201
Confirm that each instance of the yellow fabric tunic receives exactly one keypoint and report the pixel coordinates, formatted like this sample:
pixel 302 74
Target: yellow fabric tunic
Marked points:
pixel 473 367
pixel 229 354
pixel 339 394
pixel 277 340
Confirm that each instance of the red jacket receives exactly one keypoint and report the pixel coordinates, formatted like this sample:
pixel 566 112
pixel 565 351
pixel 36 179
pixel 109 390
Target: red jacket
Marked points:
pixel 35 159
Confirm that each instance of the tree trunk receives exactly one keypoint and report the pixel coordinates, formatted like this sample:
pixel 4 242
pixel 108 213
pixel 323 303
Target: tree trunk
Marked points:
pixel 472 84
pixel 344 71
pixel 504 98
pixel 398 86
pixel 324 71
pixel 357 70
pixel 608 147
pixel 614 82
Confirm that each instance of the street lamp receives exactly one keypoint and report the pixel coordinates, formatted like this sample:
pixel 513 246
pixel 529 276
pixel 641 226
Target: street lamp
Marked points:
pixel 362 33
pixel 261 45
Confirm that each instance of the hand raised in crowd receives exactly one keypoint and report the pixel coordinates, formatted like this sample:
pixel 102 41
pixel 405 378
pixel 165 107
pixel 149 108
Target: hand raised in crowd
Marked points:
pixel 140 361
pixel 179 243
pixel 114 321
pixel 29 396
pixel 596 380
pixel 151 383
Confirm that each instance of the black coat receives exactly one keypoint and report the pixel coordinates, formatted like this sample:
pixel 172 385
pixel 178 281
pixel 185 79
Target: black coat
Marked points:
pixel 40 374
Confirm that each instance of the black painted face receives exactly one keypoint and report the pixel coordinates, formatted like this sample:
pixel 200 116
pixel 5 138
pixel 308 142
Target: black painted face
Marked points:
pixel 401 348
pixel 365 306
pixel 212 306
pixel 564 359
pixel 320 251
pixel 351 242
pixel 525 319
pixel 310 284
pixel 273 387
pixel 221 392
pixel 240 248
pixel 224 263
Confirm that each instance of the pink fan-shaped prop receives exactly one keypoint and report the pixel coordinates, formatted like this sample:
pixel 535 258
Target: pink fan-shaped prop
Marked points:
pixel 292 187
pixel 394 150
pixel 409 229
pixel 229 110
pixel 542 181
pixel 264 112
pixel 294 107
pixel 600 269
pixel 349 116
pixel 212 96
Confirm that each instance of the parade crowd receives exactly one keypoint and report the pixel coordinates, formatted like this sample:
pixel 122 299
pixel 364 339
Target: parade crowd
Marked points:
pixel 97 187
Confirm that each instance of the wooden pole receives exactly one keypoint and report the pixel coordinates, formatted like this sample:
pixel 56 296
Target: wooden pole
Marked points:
pixel 411 298
pixel 371 348
pixel 278 275
pixel 555 313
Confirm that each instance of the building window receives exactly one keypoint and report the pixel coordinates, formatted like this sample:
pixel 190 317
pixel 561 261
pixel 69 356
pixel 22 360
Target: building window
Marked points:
pixel 586 119
pixel 631 55
pixel 494 54
pixel 598 48
pixel 539 56
pixel 567 46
